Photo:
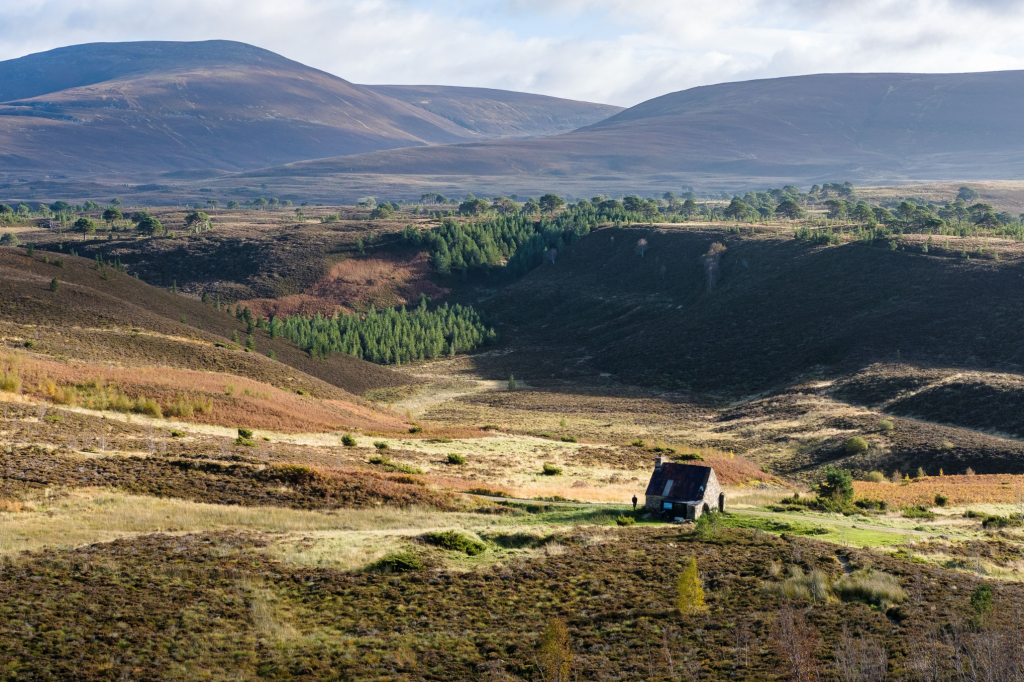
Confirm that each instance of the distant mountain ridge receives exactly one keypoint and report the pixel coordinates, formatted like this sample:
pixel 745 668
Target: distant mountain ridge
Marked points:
pixel 861 127
pixel 150 107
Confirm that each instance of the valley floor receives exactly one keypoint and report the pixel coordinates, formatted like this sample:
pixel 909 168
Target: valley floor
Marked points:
pixel 141 547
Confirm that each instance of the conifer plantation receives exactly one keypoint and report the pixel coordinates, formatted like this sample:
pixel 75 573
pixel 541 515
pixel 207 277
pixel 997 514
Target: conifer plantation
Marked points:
pixel 391 336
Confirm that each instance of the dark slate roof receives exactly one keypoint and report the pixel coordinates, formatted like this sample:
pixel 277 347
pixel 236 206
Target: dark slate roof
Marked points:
pixel 689 481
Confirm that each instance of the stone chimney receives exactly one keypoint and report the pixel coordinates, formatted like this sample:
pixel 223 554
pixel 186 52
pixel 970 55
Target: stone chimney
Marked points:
pixel 658 461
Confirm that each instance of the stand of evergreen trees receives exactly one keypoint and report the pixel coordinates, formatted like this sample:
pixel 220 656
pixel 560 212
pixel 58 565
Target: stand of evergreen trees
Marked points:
pixel 390 336
pixel 520 241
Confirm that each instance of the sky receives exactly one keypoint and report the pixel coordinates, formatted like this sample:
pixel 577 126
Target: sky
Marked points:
pixel 612 51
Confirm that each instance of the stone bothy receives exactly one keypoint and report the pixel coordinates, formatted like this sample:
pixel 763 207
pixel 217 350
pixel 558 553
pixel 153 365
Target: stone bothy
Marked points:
pixel 683 491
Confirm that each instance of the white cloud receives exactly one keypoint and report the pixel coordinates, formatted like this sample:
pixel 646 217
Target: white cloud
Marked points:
pixel 614 51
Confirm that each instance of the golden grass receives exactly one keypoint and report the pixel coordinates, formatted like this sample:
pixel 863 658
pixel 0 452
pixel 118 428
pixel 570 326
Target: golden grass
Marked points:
pixel 194 396
pixel 85 516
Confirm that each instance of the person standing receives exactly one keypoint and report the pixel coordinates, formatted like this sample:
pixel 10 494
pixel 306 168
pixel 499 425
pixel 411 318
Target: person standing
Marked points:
pixel 634 503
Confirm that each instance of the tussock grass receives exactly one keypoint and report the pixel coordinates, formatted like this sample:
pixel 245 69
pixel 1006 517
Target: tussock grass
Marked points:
pixel 812 586
pixel 870 587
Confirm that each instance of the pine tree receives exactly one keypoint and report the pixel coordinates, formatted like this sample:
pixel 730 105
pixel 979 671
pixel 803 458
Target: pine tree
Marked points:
pixel 54 285
pixel 250 343
pixel 234 335
pixel 690 594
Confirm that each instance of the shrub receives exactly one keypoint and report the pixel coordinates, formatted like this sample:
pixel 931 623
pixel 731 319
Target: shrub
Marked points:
pixel 917 512
pixel 380 445
pixel 10 239
pixel 639 443
pixel 348 441
pixel 1001 522
pixel 880 505
pixel 177 434
pixel 940 500
pixel 456 458
pixel 625 520
pixel 856 444
pixel 707 525
pixel 396 466
pixel 415 429
pixel 875 477
pixel 245 438
pixel 10 382
pixel 400 562
pixel 54 285
pixel 981 604
pixel 568 439
pixel 886 425
pixel 455 541
pixel 551 470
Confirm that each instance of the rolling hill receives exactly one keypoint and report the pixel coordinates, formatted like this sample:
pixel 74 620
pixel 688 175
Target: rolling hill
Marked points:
pixel 490 113
pixel 877 127
pixel 212 106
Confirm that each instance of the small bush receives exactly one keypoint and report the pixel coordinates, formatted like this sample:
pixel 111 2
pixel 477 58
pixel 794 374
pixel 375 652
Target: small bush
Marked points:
pixel 395 466
pixel 177 434
pixel 10 382
pixel 245 433
pixel 625 520
pixel 875 477
pixel 400 562
pixel 917 512
pixel 568 439
pixel 689 457
pixel 380 445
pixel 856 444
pixel 455 541
pixel 886 425
pixel 639 443
pixel 940 500
pixel 456 458
pixel 1001 522
pixel 348 441
pixel 552 470
pixel 415 429
pixel 880 505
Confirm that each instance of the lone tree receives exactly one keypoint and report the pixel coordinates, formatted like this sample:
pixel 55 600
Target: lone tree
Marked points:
pixel 789 209
pixel 967 194
pixel 112 214
pixel 85 225
pixel 555 655
pixel 382 211
pixel 689 593
pixel 54 285
pixel 197 221
pixel 150 225
pixel 641 246
pixel 551 202
pixel 838 485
